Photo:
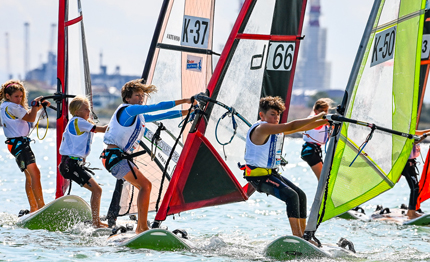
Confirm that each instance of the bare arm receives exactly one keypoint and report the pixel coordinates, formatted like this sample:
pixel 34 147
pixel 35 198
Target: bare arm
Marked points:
pixel 313 125
pixel 31 115
pixel 101 129
pixel 262 131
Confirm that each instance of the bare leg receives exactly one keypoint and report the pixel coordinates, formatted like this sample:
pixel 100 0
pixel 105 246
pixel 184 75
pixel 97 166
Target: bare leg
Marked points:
pixel 302 222
pixel 29 192
pixel 144 186
pixel 96 194
pixel 295 227
pixel 412 214
pixel 36 186
pixel 317 169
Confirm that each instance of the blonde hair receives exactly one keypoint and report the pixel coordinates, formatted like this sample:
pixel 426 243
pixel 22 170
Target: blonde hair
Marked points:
pixel 77 103
pixel 270 102
pixel 135 86
pixel 10 87
pixel 323 103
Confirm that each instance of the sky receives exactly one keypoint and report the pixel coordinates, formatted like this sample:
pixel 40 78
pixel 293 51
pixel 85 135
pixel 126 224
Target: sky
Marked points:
pixel 122 30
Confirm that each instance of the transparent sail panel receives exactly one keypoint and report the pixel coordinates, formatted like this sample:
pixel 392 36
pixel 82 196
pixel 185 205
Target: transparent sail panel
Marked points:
pixel 240 89
pixel 260 21
pixel 390 11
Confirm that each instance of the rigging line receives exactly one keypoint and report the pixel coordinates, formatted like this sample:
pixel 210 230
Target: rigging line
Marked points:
pixel 364 144
pixel 399 20
pixel 187 49
pixel 171 154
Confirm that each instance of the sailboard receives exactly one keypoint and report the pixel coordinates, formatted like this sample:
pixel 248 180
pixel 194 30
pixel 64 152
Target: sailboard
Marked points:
pixel 155 239
pixel 399 216
pixel 355 213
pixel 179 64
pixel 59 215
pixel 258 60
pixel 379 108
pixel 73 78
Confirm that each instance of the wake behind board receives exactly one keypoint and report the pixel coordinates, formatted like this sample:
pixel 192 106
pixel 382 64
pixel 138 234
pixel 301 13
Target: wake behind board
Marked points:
pixel 399 216
pixel 292 247
pixel 58 215
pixel 156 239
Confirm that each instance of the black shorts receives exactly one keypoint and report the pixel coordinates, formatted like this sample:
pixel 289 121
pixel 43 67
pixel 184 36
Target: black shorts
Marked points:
pixel 311 153
pixel 22 152
pixel 71 169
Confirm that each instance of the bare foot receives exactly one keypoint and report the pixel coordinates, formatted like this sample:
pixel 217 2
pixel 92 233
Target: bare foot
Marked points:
pixel 412 214
pixel 99 224
pixel 140 230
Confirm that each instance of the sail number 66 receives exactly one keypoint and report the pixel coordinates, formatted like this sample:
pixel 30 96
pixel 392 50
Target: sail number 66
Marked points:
pixel 280 56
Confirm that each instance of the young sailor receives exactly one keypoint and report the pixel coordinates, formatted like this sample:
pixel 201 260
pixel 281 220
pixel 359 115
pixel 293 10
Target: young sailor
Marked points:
pixel 410 172
pixel 123 134
pixel 75 147
pixel 263 155
pixel 314 138
pixel 16 119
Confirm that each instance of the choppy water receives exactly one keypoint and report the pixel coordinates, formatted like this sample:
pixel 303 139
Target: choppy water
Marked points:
pixel 235 232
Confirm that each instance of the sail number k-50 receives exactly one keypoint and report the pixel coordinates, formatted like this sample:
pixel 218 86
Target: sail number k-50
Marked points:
pixel 280 56
pixel 383 47
pixel 195 31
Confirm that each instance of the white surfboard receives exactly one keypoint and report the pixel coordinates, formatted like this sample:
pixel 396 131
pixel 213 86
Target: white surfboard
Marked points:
pixel 58 215
pixel 399 216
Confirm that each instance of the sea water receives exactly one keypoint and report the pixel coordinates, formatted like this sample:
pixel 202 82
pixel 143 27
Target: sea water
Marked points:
pixel 233 232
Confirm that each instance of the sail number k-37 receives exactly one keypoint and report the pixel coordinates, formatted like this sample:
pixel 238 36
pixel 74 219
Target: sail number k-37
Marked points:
pixel 383 47
pixel 280 56
pixel 195 31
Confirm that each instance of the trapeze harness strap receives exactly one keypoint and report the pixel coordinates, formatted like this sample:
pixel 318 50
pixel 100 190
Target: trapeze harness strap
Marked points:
pixel 17 144
pixel 113 156
pixel 155 139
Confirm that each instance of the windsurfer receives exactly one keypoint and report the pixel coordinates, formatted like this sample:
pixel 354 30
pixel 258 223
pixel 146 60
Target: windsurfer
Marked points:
pixel 75 147
pixel 263 155
pixel 122 137
pixel 410 172
pixel 16 126
pixel 314 138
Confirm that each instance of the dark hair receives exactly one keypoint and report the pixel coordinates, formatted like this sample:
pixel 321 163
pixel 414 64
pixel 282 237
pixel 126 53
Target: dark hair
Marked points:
pixel 270 102
pixel 135 86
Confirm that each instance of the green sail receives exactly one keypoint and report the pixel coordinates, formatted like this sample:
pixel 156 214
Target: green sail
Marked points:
pixel 385 93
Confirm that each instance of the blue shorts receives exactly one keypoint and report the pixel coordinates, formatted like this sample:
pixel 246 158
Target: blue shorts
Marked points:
pixel 311 153
pixel 121 169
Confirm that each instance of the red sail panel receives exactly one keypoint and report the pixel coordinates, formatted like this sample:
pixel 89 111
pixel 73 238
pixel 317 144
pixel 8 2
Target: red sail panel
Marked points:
pixel 258 60
pixel 424 184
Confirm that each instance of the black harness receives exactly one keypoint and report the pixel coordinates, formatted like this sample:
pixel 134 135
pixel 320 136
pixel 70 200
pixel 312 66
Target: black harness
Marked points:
pixel 17 144
pixel 113 156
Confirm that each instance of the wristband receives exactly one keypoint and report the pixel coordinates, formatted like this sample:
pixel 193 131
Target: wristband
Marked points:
pixel 35 103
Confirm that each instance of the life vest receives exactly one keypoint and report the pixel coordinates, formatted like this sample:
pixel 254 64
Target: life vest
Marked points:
pixel 78 145
pixel 125 137
pixel 13 125
pixel 268 155
pixel 317 135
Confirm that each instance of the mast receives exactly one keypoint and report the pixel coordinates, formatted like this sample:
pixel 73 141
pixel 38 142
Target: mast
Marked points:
pixel 61 89
pixel 313 217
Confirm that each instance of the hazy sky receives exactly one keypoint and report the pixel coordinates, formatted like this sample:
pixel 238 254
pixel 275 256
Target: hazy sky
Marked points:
pixel 122 30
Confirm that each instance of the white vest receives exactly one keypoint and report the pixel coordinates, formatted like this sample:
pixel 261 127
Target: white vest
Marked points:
pixel 267 155
pixel 13 125
pixel 125 137
pixel 317 135
pixel 78 145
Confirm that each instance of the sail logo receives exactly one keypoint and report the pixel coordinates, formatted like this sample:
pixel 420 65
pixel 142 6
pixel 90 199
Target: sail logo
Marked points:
pixel 194 63
pixel 195 31
pixel 383 47
pixel 425 50
pixel 280 56
pixel 173 37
